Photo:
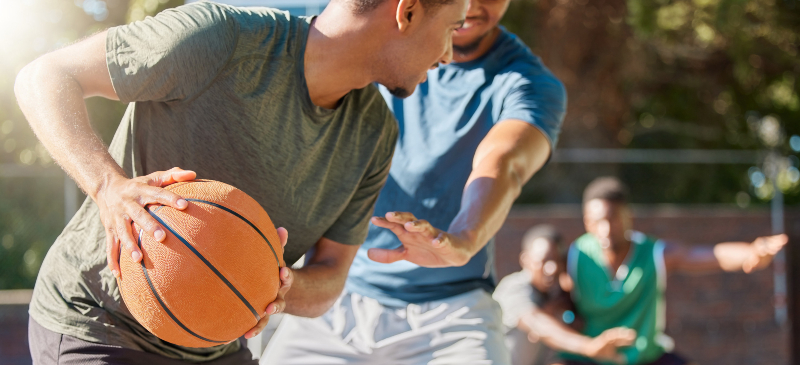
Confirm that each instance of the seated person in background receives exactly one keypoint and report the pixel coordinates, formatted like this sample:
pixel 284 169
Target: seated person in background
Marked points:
pixel 620 275
pixel 538 312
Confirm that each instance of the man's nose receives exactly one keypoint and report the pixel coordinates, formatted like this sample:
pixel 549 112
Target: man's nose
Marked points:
pixel 472 8
pixel 447 57
pixel 604 229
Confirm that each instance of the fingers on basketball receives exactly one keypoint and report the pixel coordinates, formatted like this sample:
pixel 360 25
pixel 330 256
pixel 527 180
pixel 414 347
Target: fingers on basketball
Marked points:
pixel 112 252
pixel 283 235
pixel 171 176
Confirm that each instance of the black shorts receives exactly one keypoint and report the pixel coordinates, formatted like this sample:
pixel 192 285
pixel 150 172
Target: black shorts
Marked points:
pixel 51 348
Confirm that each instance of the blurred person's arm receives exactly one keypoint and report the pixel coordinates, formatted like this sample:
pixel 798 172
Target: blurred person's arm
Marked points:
pixel 542 326
pixel 726 256
pixel 504 161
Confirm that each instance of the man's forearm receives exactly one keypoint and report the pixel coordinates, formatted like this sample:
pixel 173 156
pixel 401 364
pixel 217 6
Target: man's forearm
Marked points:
pixel 732 255
pixel 485 205
pixel 53 103
pixel 726 256
pixel 505 160
pixel 315 289
pixel 317 284
pixel 553 333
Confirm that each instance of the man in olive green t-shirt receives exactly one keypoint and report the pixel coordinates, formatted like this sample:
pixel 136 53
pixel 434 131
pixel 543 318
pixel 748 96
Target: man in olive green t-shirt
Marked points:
pixel 281 107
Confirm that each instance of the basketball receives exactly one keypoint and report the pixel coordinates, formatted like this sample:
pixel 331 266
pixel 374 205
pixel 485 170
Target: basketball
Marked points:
pixel 214 274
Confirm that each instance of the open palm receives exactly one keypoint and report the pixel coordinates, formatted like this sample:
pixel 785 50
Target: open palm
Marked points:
pixel 422 243
pixel 764 249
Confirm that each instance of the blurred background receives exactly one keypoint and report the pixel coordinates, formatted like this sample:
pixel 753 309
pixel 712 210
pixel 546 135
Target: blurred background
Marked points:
pixel 693 103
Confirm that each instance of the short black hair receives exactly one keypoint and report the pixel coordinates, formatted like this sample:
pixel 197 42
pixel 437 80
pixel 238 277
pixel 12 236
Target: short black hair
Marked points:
pixel 547 232
pixel 607 188
pixel 365 6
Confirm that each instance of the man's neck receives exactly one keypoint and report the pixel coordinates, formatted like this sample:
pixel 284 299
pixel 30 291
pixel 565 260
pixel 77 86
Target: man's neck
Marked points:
pixel 484 46
pixel 616 252
pixel 334 59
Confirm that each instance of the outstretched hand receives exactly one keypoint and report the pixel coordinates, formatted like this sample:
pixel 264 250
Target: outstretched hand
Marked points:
pixel 764 249
pixel 279 304
pixel 122 201
pixel 605 347
pixel 422 243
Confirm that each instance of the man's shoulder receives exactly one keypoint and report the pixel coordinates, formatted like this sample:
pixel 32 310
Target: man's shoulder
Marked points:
pixel 585 242
pixel 644 239
pixel 515 291
pixel 234 12
pixel 585 250
pixel 200 14
pixel 513 55
pixel 512 283
pixel 253 24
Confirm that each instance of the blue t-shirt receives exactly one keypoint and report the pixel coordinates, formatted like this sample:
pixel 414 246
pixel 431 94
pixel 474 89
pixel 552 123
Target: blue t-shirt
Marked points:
pixel 441 125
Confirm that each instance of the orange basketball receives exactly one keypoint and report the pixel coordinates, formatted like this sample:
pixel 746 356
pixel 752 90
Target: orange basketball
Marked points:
pixel 215 273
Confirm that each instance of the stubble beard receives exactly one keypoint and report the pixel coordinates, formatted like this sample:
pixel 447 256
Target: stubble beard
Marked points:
pixel 400 92
pixel 472 47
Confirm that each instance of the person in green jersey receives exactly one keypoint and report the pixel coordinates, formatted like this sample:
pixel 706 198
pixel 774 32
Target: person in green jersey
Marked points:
pixel 620 275
pixel 538 313
pixel 283 108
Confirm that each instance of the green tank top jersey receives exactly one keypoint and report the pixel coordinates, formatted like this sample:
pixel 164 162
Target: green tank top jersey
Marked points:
pixel 632 297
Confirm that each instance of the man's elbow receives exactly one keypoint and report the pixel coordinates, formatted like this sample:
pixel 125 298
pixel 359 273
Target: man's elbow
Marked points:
pixel 514 172
pixel 22 82
pixel 322 306
pixel 519 166
pixel 29 77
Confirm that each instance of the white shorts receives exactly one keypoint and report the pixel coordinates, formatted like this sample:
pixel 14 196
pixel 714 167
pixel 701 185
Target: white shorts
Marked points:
pixel 460 330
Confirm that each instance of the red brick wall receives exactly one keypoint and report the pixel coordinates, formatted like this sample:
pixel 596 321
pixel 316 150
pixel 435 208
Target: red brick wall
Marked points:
pixel 724 319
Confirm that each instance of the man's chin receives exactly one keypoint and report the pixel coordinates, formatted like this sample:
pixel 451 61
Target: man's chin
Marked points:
pixel 400 92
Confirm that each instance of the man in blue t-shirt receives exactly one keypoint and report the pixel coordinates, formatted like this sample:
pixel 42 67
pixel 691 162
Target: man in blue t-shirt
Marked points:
pixel 470 138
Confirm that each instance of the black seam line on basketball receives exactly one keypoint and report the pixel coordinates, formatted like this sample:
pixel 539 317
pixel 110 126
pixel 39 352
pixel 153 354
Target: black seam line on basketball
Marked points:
pixel 164 305
pixel 242 218
pixel 210 266
pixel 119 257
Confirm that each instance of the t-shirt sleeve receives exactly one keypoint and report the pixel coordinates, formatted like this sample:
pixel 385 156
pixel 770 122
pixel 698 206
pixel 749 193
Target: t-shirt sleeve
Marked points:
pixel 173 56
pixel 540 100
pixel 353 223
pixel 513 293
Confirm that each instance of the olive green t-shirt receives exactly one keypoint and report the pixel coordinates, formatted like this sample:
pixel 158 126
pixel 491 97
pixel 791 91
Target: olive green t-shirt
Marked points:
pixel 220 90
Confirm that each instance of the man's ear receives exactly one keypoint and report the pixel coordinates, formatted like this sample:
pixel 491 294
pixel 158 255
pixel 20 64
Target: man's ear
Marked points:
pixel 408 11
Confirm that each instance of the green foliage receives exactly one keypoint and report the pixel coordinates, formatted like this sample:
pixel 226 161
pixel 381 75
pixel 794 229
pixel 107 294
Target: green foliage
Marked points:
pixel 706 74
pixel 31 217
pixel 725 66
